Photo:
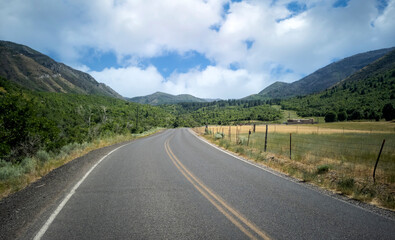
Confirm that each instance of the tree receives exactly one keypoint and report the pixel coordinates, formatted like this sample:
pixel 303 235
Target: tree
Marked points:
pixel 388 112
pixel 331 117
pixel 342 116
pixel 356 114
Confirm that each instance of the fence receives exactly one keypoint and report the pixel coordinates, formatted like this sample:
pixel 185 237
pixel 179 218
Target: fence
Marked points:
pixel 354 150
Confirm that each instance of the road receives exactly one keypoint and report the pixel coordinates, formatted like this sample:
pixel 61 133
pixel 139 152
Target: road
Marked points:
pixel 175 186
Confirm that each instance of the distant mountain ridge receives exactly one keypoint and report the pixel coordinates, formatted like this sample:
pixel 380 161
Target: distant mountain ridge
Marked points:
pixel 160 98
pixel 322 78
pixel 36 71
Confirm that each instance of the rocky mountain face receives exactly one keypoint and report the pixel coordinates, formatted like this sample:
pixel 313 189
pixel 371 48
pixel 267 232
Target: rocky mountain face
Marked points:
pixel 36 71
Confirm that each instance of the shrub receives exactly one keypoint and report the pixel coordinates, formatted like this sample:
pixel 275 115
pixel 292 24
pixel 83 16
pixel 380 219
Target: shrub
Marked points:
pixel 242 141
pixel 388 112
pixel 219 135
pixel 347 183
pixel 331 117
pixel 356 115
pixel 28 165
pixel 342 116
pixel 42 156
pixel 322 169
pixel 240 150
pixel 8 171
pixel 69 147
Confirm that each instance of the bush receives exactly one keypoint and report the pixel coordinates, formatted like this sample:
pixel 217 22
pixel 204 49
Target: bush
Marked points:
pixel 219 135
pixel 342 116
pixel 69 147
pixel 322 169
pixel 8 171
pixel 356 115
pixel 331 117
pixel 42 156
pixel 242 141
pixel 347 183
pixel 28 165
pixel 240 150
pixel 388 112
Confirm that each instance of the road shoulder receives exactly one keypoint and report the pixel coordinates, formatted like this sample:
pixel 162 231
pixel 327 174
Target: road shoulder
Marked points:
pixel 23 212
pixel 367 207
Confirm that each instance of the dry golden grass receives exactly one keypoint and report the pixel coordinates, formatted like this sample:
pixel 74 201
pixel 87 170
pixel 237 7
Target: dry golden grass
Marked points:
pixel 324 128
pixel 346 157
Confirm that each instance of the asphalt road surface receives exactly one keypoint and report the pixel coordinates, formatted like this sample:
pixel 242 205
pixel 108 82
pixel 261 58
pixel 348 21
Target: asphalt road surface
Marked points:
pixel 175 186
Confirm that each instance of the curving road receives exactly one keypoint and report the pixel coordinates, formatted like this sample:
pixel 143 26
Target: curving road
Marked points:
pixel 175 186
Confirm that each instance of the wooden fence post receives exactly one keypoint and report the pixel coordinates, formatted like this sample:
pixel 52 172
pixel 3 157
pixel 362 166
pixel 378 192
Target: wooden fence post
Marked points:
pixel 290 146
pixel 266 138
pixel 377 161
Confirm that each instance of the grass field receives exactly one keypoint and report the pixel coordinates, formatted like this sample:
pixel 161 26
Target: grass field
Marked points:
pixel 336 156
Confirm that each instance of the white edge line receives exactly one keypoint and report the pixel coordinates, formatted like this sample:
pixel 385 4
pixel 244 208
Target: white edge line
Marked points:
pixel 286 178
pixel 235 156
pixel 45 227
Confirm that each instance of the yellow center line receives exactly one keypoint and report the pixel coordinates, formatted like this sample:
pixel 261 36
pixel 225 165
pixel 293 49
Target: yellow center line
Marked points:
pixel 237 218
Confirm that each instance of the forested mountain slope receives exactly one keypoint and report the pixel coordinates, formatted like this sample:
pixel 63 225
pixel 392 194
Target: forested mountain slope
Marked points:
pixel 322 78
pixel 32 121
pixel 363 95
pixel 159 98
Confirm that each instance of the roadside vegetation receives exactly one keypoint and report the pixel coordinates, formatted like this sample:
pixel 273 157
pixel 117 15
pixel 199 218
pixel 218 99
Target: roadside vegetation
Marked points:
pixel 338 159
pixel 41 131
pixel 16 176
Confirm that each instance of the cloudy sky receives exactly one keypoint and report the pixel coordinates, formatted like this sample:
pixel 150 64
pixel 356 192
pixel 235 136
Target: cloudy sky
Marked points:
pixel 207 48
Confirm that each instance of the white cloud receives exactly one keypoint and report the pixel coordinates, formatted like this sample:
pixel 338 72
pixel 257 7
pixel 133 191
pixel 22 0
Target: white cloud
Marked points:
pixel 134 29
pixel 216 82
pixel 131 81
pixel 212 81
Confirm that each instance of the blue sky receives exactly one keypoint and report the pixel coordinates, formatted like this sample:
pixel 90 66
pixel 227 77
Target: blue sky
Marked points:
pixel 211 49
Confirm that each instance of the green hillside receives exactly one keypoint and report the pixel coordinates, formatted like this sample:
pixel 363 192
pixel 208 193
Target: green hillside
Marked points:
pixel 323 78
pixel 363 95
pixel 32 121
pixel 160 98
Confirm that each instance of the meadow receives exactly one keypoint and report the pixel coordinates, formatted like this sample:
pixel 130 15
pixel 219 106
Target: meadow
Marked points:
pixel 337 156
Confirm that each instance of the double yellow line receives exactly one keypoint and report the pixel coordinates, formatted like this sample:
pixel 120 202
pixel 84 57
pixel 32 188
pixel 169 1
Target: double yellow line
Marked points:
pixel 241 222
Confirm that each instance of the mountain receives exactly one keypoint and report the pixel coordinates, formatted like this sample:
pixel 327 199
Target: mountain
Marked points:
pixel 36 71
pixel 322 78
pixel 159 98
pixel 362 95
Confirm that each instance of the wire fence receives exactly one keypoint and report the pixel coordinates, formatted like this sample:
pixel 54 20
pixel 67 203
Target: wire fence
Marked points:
pixel 315 144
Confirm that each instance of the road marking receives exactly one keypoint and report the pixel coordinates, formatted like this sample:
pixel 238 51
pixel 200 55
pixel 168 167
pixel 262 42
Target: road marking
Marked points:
pixel 48 223
pixel 237 157
pixel 287 178
pixel 230 213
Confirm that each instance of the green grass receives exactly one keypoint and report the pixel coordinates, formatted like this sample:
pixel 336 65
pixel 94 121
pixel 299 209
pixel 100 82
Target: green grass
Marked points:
pixel 363 126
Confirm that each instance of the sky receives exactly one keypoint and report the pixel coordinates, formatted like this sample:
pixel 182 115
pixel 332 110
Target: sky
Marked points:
pixel 208 48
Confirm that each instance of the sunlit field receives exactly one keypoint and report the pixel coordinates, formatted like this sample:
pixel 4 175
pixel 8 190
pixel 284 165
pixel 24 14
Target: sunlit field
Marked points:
pixel 338 156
